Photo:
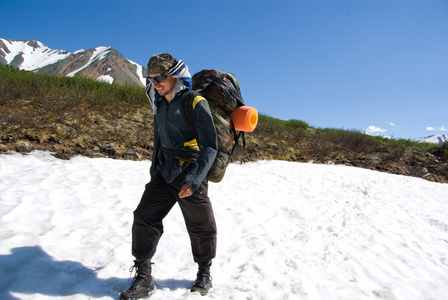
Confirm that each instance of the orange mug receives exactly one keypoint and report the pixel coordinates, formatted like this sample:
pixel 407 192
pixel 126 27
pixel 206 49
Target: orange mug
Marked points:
pixel 245 118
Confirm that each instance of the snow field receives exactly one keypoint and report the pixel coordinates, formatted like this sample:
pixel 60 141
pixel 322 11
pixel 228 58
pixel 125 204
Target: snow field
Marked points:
pixel 285 231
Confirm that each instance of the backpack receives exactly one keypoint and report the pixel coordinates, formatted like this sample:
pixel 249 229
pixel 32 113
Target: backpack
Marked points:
pixel 223 94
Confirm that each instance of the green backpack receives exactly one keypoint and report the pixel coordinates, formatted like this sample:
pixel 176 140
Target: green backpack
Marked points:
pixel 223 94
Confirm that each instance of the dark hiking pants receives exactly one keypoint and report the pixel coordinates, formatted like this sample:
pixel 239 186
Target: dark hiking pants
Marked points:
pixel 157 200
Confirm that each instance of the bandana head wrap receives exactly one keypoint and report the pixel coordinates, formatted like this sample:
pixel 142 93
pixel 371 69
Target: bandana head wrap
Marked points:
pixel 165 64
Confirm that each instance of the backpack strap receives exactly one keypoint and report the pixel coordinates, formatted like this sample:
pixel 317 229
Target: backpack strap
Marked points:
pixel 187 154
pixel 188 109
pixel 236 138
pixel 189 105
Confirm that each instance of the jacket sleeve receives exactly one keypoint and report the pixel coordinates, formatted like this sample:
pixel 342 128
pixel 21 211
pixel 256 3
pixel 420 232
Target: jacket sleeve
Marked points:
pixel 207 140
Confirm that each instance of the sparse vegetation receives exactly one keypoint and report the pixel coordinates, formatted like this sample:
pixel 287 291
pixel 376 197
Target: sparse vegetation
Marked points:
pixel 72 116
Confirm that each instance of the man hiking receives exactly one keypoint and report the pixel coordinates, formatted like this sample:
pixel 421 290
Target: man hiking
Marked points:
pixel 173 179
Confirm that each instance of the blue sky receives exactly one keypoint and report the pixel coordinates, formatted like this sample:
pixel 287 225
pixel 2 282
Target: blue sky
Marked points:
pixel 377 65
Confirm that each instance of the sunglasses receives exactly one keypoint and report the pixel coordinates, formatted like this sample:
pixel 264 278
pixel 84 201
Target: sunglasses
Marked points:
pixel 157 79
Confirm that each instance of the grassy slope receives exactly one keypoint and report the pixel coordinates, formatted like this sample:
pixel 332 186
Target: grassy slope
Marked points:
pixel 72 116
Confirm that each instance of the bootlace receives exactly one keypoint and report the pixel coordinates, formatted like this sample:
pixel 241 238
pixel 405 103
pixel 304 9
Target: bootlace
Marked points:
pixel 137 266
pixel 138 278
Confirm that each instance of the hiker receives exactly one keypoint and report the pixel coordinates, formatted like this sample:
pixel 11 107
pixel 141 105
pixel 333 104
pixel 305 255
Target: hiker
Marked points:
pixel 174 179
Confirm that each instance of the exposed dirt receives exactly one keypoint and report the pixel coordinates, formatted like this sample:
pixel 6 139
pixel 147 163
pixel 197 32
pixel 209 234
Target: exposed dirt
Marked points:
pixel 125 132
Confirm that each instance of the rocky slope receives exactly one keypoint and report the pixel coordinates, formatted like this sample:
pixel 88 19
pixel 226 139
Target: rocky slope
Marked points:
pixel 125 132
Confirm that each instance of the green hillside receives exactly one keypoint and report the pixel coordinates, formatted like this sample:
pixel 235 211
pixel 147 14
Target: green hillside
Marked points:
pixel 79 116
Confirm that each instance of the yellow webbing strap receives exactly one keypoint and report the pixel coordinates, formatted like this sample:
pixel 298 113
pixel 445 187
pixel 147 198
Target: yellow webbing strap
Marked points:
pixel 197 99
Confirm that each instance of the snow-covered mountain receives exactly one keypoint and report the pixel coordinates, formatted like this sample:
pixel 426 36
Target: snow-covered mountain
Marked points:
pixel 434 139
pixel 101 63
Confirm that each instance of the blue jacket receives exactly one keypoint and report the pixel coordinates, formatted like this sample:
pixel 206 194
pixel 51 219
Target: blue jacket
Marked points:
pixel 172 131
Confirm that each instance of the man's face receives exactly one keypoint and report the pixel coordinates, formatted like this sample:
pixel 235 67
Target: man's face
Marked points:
pixel 164 87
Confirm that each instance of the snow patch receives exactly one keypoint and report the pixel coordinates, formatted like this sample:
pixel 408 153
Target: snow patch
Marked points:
pixel 106 78
pixel 139 72
pixel 286 230
pixel 99 53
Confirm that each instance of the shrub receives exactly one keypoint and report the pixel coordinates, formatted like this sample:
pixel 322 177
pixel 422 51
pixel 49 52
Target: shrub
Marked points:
pixel 19 84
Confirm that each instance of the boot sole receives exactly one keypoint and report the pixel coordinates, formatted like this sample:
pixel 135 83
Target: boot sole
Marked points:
pixel 200 290
pixel 121 297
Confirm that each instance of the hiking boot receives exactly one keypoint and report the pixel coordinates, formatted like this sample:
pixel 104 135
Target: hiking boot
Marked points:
pixel 203 281
pixel 142 285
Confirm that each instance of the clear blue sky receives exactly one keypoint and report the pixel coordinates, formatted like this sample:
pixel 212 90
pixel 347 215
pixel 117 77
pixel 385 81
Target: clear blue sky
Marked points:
pixel 336 63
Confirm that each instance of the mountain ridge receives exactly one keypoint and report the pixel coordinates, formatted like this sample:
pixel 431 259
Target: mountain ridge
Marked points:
pixel 100 63
pixel 433 139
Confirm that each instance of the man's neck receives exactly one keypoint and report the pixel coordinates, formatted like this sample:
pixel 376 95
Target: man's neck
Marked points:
pixel 169 97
